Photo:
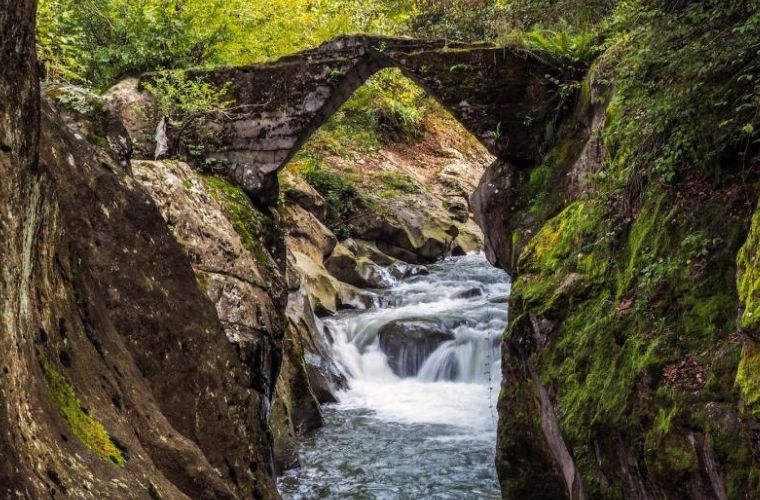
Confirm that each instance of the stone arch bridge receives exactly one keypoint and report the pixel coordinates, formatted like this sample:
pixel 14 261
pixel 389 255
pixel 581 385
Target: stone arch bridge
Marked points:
pixel 502 95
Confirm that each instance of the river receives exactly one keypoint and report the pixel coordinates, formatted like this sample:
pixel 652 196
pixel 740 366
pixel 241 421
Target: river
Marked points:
pixel 426 426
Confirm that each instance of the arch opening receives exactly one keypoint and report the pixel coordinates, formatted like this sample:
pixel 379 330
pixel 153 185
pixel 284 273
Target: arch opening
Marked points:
pixel 422 362
pixel 501 95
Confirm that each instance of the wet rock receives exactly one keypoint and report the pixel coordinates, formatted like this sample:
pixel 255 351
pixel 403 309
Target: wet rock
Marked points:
pixel 356 271
pixel 408 343
pixel 458 208
pixel 295 410
pixel 400 270
pixel 499 299
pixel 469 294
pixel 324 377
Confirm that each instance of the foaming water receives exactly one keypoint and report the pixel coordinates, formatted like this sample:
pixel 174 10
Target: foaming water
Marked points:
pixel 431 433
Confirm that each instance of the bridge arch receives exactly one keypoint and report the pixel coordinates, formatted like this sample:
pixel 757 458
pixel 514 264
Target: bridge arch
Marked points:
pixel 501 95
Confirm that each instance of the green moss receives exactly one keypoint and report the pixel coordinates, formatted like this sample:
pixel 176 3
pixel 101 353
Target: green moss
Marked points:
pixel 569 234
pixel 250 224
pixel 85 428
pixel 341 193
pixel 675 455
pixel 748 275
pixel 748 378
pixel 629 298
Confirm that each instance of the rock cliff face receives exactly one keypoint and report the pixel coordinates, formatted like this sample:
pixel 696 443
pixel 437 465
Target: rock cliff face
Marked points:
pixel 626 374
pixel 121 381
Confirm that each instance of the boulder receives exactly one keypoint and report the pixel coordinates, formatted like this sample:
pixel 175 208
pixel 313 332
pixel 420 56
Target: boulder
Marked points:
pixel 469 239
pixel 299 192
pixel 469 294
pixel 327 294
pixel 368 249
pixel 306 233
pixel 90 119
pixel 458 176
pixel 458 208
pixel 406 233
pixel 408 343
pixel 136 108
pixel 357 271
pixel 402 271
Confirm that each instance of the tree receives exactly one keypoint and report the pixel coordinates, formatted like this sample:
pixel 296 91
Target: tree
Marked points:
pixel 19 132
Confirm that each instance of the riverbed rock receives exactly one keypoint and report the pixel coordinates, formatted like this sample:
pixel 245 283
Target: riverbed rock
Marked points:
pixel 325 378
pixel 401 270
pixel 357 271
pixel 369 250
pixel 307 234
pixel 469 239
pixel 408 343
pixel 469 294
pixel 406 234
pixel 295 411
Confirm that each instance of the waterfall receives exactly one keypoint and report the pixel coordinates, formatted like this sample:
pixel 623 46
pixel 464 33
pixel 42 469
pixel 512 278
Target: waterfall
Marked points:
pixel 455 327
pixel 423 371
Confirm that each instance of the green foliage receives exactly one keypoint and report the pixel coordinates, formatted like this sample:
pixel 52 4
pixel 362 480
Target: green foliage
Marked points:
pixel 460 20
pixel 687 86
pixel 489 20
pixel 98 42
pixel 341 194
pixel 566 15
pixel 748 378
pixel 186 102
pixel 89 431
pixel 61 39
pixel 563 48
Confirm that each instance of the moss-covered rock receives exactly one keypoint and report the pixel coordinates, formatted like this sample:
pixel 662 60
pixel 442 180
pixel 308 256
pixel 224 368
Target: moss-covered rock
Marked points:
pixel 89 431
pixel 624 302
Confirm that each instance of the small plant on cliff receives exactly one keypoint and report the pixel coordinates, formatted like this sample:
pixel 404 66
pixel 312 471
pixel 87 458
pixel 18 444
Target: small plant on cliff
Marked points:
pixel 563 48
pixel 342 196
pixel 186 103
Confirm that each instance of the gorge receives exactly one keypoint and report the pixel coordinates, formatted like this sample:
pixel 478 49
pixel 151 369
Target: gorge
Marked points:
pixel 211 277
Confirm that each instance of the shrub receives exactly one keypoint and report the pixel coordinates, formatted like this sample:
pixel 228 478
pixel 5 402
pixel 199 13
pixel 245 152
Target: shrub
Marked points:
pixel 187 103
pixel 342 196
